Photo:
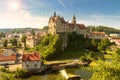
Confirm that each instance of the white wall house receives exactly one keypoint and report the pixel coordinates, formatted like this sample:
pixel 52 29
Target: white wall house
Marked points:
pixel 96 35
pixel 8 56
pixel 31 61
pixel 8 52
pixel 115 35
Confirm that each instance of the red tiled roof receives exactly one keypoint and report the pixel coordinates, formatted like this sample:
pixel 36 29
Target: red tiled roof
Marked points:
pixel 117 40
pixel 8 58
pixel 98 33
pixel 31 57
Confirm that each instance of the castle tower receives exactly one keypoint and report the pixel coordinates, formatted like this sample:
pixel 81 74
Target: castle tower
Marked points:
pixel 54 14
pixel 73 19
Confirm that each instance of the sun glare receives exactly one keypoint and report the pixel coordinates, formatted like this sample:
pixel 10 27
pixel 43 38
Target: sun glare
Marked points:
pixel 14 5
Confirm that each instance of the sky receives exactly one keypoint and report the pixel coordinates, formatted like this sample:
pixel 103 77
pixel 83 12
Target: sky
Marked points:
pixel 36 13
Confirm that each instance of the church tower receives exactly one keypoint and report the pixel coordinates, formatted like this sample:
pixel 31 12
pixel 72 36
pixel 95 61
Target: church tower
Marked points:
pixel 73 19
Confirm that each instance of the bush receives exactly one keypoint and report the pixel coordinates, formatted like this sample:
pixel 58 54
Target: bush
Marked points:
pixel 83 58
pixel 20 72
pixel 2 69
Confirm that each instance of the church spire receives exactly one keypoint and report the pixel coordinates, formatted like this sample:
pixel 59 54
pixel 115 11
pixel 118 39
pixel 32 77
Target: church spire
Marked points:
pixel 74 19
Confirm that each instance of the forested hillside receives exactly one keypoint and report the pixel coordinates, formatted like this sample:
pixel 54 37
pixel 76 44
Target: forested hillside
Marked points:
pixel 107 30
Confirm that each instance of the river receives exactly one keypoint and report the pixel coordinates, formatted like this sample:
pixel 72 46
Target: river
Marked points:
pixel 84 74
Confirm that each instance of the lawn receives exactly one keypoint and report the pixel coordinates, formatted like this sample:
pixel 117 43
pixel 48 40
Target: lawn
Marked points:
pixel 71 55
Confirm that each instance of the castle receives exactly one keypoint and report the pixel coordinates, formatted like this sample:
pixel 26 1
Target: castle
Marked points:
pixel 58 25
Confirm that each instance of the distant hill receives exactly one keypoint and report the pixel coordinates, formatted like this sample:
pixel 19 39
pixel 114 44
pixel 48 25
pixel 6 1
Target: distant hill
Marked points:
pixel 4 30
pixel 107 30
pixel 17 29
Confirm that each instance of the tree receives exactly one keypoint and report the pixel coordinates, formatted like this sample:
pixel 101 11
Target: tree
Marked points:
pixel 33 32
pixel 23 39
pixel 105 29
pixel 94 44
pixel 108 70
pixel 2 34
pixel 45 28
pixel 14 42
pixel 19 45
pixel 104 71
pixel 19 72
pixel 5 43
pixel 102 46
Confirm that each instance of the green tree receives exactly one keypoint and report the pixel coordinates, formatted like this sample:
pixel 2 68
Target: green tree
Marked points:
pixel 50 47
pixel 94 44
pixel 20 72
pixel 108 70
pixel 105 71
pixel 14 42
pixel 105 29
pixel 33 32
pixel 19 45
pixel 5 43
pixel 45 28
pixel 102 46
pixel 2 34
pixel 23 39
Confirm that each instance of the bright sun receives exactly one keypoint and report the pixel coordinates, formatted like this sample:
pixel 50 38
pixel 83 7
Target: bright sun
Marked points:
pixel 14 5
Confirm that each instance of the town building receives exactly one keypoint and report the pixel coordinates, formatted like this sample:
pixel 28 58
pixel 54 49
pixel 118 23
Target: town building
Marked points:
pixel 31 60
pixel 114 35
pixel 8 52
pixel 58 25
pixel 9 56
pixel 96 35
pixel 33 40
pixel 117 41
pixel 8 59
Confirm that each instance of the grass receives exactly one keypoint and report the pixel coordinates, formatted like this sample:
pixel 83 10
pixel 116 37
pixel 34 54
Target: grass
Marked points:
pixel 71 55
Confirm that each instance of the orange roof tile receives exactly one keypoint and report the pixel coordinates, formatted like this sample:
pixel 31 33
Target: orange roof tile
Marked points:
pixel 98 33
pixel 31 57
pixel 8 58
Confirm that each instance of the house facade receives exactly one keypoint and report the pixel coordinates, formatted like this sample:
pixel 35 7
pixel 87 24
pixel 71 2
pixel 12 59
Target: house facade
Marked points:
pixel 58 25
pixel 115 35
pixel 96 35
pixel 8 59
pixel 33 40
pixel 31 61
pixel 8 52
pixel 9 56
pixel 117 41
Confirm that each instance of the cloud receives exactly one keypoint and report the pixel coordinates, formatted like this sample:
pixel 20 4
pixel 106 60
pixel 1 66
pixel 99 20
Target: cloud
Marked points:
pixel 97 19
pixel 22 19
pixel 61 3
